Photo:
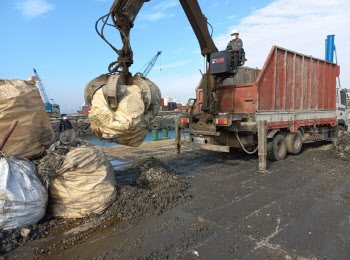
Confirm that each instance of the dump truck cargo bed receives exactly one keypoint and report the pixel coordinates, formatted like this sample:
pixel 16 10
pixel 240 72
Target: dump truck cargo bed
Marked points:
pixel 289 81
pixel 290 87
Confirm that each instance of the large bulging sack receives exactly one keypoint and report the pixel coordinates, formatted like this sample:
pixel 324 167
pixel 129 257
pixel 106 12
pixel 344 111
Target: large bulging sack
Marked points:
pixel 21 100
pixel 83 185
pixel 23 198
pixel 122 112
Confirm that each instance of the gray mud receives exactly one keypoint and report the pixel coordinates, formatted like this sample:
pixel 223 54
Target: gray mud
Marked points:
pixel 153 189
pixel 10 239
pixel 342 145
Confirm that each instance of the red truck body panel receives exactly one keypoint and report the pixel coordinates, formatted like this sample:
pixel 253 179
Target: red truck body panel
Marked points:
pixel 240 98
pixel 293 81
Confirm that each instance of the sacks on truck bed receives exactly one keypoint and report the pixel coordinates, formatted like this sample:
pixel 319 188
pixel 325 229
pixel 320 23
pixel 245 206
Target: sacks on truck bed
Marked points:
pixel 83 185
pixel 21 100
pixel 23 198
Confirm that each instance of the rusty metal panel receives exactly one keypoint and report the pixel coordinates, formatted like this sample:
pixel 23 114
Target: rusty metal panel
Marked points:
pixel 224 97
pixel 290 84
pixel 306 84
pixel 293 81
pixel 280 81
pixel 298 83
pixel 245 75
pixel 313 84
pixel 267 83
pixel 237 99
pixel 199 102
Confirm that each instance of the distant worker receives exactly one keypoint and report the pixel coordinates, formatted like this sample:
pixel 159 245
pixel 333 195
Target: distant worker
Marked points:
pixel 65 124
pixel 236 43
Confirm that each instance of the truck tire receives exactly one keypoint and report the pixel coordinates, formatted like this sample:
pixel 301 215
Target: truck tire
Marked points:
pixel 277 148
pixel 294 142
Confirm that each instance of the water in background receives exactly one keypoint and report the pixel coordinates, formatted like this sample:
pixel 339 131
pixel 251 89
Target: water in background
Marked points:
pixel 95 140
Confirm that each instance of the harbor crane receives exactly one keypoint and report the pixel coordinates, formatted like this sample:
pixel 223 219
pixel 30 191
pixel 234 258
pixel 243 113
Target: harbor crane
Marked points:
pixel 51 107
pixel 150 65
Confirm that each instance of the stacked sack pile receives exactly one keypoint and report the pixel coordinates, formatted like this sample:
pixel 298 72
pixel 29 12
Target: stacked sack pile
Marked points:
pixel 74 177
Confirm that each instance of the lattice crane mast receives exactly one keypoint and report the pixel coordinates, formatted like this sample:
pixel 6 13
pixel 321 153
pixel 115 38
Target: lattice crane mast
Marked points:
pixel 41 88
pixel 150 64
pixel 51 107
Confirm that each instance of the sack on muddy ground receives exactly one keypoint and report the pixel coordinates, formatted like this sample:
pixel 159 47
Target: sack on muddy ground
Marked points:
pixel 83 184
pixel 23 198
pixel 21 100
pixel 129 122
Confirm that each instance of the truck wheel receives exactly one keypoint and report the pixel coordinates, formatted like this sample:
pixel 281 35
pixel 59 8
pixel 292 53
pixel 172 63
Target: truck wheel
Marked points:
pixel 294 142
pixel 277 148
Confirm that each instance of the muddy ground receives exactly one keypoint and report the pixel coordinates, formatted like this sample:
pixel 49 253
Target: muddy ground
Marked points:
pixel 299 210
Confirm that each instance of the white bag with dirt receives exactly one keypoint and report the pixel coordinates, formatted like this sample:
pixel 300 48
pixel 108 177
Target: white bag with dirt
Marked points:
pixel 124 116
pixel 21 100
pixel 83 185
pixel 23 198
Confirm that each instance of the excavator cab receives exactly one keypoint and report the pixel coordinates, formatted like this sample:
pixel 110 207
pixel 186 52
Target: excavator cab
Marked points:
pixel 225 63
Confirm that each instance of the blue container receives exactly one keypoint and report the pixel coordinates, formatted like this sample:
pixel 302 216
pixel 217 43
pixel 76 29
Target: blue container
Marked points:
pixel 330 47
pixel 83 108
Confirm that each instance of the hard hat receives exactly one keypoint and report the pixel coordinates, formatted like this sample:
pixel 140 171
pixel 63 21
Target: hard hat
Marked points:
pixel 234 31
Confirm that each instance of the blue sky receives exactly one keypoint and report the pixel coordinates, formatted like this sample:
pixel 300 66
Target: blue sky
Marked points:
pixel 58 38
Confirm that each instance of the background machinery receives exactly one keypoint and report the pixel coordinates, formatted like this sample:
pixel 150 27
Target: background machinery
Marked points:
pixel 149 65
pixel 122 16
pixel 51 108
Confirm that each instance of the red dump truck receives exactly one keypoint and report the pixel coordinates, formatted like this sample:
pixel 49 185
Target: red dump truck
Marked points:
pixel 290 101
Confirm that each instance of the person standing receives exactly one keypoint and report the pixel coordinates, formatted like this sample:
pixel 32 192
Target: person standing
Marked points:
pixel 65 124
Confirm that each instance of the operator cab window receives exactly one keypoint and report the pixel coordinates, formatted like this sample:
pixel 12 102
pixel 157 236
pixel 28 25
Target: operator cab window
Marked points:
pixel 343 98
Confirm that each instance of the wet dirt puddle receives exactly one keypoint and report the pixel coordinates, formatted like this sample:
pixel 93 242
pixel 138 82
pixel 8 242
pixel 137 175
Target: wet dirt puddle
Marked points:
pixel 55 245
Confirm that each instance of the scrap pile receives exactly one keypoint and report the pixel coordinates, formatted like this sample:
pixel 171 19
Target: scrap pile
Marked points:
pixel 69 181
pixel 342 144
pixel 164 122
pixel 147 188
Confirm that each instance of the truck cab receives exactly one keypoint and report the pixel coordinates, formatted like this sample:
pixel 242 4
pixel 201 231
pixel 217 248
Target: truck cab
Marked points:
pixel 342 108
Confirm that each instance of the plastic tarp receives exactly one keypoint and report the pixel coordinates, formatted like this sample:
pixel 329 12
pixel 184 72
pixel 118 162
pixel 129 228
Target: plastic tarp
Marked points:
pixel 83 185
pixel 23 198
pixel 130 122
pixel 21 100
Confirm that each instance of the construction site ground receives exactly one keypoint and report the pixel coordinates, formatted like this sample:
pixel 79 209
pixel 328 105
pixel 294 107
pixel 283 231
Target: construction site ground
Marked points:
pixel 299 210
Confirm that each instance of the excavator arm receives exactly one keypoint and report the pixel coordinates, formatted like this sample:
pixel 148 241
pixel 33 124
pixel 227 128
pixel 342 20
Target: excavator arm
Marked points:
pixel 123 14
pixel 199 25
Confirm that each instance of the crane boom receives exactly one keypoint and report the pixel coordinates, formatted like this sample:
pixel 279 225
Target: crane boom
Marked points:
pixel 123 14
pixel 151 64
pixel 41 88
